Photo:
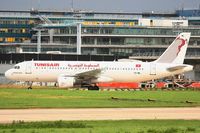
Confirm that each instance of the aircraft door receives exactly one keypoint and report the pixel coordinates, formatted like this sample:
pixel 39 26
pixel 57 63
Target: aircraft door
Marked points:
pixel 152 69
pixel 28 68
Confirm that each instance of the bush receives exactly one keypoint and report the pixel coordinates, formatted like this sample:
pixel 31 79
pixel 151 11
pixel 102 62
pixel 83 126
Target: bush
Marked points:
pixel 56 124
pixel 190 129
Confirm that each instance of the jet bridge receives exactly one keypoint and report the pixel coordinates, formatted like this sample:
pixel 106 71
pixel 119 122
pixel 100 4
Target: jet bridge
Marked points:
pixel 50 26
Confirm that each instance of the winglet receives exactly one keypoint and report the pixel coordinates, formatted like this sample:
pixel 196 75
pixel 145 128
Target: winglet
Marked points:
pixel 175 53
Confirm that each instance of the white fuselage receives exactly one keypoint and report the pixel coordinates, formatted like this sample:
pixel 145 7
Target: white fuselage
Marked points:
pixel 69 73
pixel 49 71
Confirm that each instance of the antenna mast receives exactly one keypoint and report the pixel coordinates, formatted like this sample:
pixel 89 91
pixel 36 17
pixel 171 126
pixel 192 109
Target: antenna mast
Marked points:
pixel 72 5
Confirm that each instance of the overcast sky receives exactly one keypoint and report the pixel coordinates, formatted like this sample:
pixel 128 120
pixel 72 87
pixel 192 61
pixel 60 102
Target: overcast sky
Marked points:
pixel 101 5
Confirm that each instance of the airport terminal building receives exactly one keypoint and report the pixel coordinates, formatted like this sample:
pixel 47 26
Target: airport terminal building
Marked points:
pixel 142 36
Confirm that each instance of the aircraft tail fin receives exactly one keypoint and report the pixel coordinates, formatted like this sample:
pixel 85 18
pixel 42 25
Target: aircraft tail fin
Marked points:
pixel 175 53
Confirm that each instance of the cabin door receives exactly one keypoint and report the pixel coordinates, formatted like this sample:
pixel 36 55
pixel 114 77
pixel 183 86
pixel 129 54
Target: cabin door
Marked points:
pixel 152 69
pixel 28 67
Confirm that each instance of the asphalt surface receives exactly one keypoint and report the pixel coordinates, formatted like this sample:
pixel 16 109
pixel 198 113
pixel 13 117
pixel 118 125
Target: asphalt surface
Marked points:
pixel 10 115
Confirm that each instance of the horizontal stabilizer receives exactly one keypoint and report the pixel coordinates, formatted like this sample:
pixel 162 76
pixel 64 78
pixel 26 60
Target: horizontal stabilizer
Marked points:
pixel 175 68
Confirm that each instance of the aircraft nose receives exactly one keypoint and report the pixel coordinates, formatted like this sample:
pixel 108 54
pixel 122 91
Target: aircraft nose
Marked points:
pixel 8 74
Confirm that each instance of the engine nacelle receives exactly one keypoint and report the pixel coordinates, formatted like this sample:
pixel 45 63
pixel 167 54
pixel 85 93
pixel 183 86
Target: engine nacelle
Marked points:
pixel 65 82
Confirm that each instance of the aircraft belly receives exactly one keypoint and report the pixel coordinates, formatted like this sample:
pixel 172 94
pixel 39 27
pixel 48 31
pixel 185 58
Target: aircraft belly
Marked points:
pixel 41 77
pixel 122 76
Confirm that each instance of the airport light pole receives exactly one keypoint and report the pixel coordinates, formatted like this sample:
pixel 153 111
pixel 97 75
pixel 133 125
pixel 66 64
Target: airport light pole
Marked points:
pixel 78 39
pixel 39 41
pixel 38 38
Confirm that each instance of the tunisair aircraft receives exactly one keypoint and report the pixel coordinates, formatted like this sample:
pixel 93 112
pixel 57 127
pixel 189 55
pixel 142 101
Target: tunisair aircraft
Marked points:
pixel 72 73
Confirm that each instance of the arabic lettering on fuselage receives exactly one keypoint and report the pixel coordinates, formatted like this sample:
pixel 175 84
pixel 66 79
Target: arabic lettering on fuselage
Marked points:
pixel 69 65
pixel 84 65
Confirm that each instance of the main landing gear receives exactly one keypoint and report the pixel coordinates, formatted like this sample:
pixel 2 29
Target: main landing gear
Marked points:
pixel 30 85
pixel 95 87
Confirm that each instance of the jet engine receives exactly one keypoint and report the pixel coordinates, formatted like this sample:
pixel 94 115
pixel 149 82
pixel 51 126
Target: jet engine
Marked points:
pixel 64 81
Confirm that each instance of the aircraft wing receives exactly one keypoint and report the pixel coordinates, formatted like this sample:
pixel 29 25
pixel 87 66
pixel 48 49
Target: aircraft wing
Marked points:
pixel 175 68
pixel 88 75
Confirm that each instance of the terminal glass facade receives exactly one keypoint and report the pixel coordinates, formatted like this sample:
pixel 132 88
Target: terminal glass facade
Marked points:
pixel 132 34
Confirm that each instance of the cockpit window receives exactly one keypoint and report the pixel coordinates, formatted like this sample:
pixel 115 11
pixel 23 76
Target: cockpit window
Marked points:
pixel 16 67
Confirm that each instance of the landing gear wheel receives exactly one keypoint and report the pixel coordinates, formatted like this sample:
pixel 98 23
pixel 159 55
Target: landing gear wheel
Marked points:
pixel 96 88
pixel 93 88
pixel 30 87
pixel 90 87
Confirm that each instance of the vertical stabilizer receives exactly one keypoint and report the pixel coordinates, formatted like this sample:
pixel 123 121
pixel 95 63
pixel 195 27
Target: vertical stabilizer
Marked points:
pixel 175 53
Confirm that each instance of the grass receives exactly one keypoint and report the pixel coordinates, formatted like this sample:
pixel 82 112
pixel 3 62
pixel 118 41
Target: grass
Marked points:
pixel 57 98
pixel 123 126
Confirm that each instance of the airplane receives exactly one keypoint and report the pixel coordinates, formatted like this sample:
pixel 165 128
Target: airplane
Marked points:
pixel 72 73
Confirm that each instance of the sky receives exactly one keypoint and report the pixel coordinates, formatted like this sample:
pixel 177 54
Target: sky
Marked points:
pixel 101 5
